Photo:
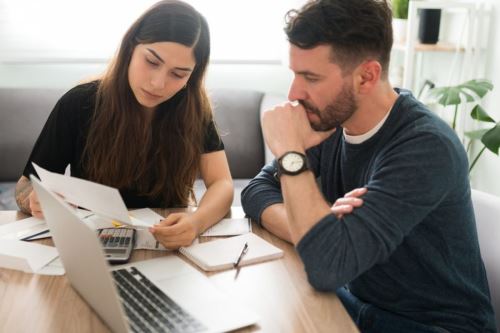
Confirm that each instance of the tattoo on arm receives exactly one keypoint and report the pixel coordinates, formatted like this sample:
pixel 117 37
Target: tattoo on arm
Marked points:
pixel 23 190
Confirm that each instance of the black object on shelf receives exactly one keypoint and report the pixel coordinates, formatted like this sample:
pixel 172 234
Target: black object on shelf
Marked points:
pixel 428 30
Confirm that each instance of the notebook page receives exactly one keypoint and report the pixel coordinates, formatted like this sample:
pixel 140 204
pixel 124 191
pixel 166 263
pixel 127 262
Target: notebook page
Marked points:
pixel 229 227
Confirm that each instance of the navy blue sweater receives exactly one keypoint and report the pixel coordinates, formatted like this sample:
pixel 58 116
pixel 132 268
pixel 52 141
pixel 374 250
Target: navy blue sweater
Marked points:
pixel 412 248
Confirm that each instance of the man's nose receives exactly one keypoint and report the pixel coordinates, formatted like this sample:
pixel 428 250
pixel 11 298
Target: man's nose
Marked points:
pixel 296 92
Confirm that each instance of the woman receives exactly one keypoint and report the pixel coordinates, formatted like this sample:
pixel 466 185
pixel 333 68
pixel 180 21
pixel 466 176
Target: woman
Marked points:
pixel 145 128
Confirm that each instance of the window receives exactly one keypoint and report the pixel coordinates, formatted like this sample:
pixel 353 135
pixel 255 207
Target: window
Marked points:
pixel 62 31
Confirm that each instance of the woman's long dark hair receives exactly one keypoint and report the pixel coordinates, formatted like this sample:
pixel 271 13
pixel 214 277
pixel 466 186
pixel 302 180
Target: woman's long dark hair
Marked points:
pixel 161 160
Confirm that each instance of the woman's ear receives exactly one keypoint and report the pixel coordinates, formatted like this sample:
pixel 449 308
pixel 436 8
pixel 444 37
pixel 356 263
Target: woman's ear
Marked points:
pixel 367 75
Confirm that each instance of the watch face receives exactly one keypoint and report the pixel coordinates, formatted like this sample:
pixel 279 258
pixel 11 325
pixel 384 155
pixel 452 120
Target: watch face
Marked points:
pixel 292 162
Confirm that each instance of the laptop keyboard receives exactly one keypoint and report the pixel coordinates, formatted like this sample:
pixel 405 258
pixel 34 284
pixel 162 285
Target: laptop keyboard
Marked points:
pixel 148 309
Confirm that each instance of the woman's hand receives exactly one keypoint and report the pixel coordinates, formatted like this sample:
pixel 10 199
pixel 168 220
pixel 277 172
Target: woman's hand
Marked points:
pixel 36 209
pixel 346 205
pixel 177 230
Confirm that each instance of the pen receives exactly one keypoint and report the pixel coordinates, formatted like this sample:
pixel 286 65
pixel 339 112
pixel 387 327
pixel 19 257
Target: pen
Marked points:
pixel 34 235
pixel 243 252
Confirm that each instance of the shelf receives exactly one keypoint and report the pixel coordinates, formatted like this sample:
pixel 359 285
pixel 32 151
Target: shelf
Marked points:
pixel 439 47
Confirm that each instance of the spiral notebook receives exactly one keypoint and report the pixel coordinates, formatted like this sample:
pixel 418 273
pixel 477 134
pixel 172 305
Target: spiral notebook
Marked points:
pixel 222 253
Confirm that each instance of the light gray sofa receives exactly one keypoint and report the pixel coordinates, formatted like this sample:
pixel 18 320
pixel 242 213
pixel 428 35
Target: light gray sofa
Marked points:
pixel 23 112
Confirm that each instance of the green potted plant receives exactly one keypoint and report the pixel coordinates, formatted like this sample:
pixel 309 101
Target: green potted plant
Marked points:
pixel 472 91
pixel 399 20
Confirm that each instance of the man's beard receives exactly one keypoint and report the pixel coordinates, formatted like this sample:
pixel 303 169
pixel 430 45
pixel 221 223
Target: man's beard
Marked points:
pixel 334 114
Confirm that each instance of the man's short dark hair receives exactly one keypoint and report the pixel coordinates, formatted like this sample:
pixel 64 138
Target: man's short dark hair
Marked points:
pixel 357 30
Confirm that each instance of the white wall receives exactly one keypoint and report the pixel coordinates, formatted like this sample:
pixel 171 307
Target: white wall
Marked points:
pixel 273 78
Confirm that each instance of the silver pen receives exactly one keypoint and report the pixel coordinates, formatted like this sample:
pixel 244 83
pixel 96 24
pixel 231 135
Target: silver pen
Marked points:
pixel 243 252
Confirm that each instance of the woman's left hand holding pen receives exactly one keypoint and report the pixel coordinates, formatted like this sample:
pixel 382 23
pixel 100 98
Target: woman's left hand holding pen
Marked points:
pixel 175 231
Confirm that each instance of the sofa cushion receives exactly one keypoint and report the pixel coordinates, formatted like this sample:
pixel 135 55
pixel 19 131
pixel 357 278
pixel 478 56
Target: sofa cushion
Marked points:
pixel 23 113
pixel 238 121
pixel 239 185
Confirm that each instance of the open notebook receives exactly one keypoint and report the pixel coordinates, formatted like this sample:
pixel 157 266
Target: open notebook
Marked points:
pixel 222 253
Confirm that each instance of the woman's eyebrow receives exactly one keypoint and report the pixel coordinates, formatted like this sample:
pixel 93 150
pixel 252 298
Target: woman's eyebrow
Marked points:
pixel 186 69
pixel 155 54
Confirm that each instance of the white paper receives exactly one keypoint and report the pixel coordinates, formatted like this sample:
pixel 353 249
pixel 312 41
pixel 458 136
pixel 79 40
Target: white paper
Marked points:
pixel 144 240
pixel 30 226
pixel 22 228
pixel 100 199
pixel 55 267
pixel 229 227
pixel 95 221
pixel 147 216
pixel 24 256
pixel 98 222
pixel 137 223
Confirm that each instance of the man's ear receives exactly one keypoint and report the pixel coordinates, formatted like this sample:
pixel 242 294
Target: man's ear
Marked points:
pixel 366 76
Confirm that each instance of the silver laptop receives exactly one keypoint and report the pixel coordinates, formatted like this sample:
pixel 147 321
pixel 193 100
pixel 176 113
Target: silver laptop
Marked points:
pixel 159 295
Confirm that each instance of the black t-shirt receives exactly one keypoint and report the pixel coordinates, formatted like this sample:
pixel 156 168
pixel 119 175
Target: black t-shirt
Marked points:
pixel 63 138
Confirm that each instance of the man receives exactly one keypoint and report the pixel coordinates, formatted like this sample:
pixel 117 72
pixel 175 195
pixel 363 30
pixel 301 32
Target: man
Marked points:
pixel 409 254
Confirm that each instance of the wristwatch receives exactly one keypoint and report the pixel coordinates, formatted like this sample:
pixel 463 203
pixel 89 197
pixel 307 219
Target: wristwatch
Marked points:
pixel 292 163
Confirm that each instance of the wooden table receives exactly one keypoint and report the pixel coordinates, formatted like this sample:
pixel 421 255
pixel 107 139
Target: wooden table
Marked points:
pixel 277 291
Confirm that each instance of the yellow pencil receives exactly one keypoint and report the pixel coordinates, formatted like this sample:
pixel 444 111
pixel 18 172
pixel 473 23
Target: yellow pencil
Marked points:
pixel 116 224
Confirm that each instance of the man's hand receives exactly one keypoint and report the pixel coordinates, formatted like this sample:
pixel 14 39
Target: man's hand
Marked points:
pixel 287 128
pixel 177 230
pixel 351 200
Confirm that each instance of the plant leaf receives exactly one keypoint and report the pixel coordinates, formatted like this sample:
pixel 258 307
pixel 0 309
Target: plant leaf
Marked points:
pixel 479 87
pixel 400 9
pixel 491 139
pixel 451 95
pixel 478 113
pixel 447 95
pixel 476 135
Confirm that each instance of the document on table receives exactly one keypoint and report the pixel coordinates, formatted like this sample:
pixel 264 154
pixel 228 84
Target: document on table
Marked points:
pixel 29 257
pixel 229 227
pixel 144 239
pixel 29 227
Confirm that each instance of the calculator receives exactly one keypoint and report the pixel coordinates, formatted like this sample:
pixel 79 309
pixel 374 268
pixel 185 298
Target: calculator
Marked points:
pixel 117 243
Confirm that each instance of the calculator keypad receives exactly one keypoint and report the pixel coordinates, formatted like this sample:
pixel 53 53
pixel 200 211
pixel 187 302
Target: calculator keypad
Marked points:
pixel 117 243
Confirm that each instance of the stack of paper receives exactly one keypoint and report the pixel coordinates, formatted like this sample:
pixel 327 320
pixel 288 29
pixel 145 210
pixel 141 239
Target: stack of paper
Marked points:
pixel 23 228
pixel 29 257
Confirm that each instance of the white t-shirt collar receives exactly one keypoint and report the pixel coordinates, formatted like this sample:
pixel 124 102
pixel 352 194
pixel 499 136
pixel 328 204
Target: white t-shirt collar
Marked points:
pixel 358 139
